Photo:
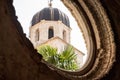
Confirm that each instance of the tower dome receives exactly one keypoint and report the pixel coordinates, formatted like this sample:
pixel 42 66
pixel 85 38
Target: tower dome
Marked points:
pixel 52 14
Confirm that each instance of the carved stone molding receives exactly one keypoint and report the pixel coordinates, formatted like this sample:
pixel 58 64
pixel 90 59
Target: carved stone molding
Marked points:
pixel 95 25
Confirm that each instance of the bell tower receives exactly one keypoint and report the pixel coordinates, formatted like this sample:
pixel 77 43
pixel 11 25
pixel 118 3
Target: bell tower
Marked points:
pixel 49 23
pixel 50 26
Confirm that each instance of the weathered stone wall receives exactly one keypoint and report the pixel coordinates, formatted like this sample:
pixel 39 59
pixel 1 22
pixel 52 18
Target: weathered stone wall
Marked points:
pixel 112 8
pixel 18 59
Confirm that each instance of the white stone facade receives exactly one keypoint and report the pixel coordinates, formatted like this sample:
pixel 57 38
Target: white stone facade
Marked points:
pixel 60 30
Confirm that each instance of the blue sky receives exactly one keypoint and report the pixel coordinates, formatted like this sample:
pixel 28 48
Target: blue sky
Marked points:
pixel 25 9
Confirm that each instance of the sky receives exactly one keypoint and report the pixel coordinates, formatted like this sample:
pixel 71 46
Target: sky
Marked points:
pixel 25 9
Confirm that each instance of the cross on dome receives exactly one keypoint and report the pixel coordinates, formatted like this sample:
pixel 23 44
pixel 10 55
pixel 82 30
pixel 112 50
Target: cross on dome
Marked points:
pixel 50 3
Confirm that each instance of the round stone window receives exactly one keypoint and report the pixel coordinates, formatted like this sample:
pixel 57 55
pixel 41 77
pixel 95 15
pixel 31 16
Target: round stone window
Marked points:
pixel 96 28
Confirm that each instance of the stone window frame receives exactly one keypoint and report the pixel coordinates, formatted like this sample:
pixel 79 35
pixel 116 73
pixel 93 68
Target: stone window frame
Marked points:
pixel 37 35
pixel 64 35
pixel 50 28
pixel 99 39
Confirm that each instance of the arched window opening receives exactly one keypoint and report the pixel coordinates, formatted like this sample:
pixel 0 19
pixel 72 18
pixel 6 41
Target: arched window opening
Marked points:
pixel 37 35
pixel 50 33
pixel 64 35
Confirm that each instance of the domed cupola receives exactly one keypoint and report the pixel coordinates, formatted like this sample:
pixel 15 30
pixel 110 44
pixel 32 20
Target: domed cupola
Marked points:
pixel 52 14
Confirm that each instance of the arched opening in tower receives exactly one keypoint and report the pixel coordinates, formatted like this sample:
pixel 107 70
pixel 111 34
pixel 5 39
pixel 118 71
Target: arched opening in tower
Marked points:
pixel 50 33
pixel 37 35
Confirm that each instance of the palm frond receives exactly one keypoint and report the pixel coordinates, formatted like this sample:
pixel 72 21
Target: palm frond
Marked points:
pixel 66 59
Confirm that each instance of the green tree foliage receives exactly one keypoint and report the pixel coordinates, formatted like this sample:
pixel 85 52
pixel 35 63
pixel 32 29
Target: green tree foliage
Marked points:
pixel 65 60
